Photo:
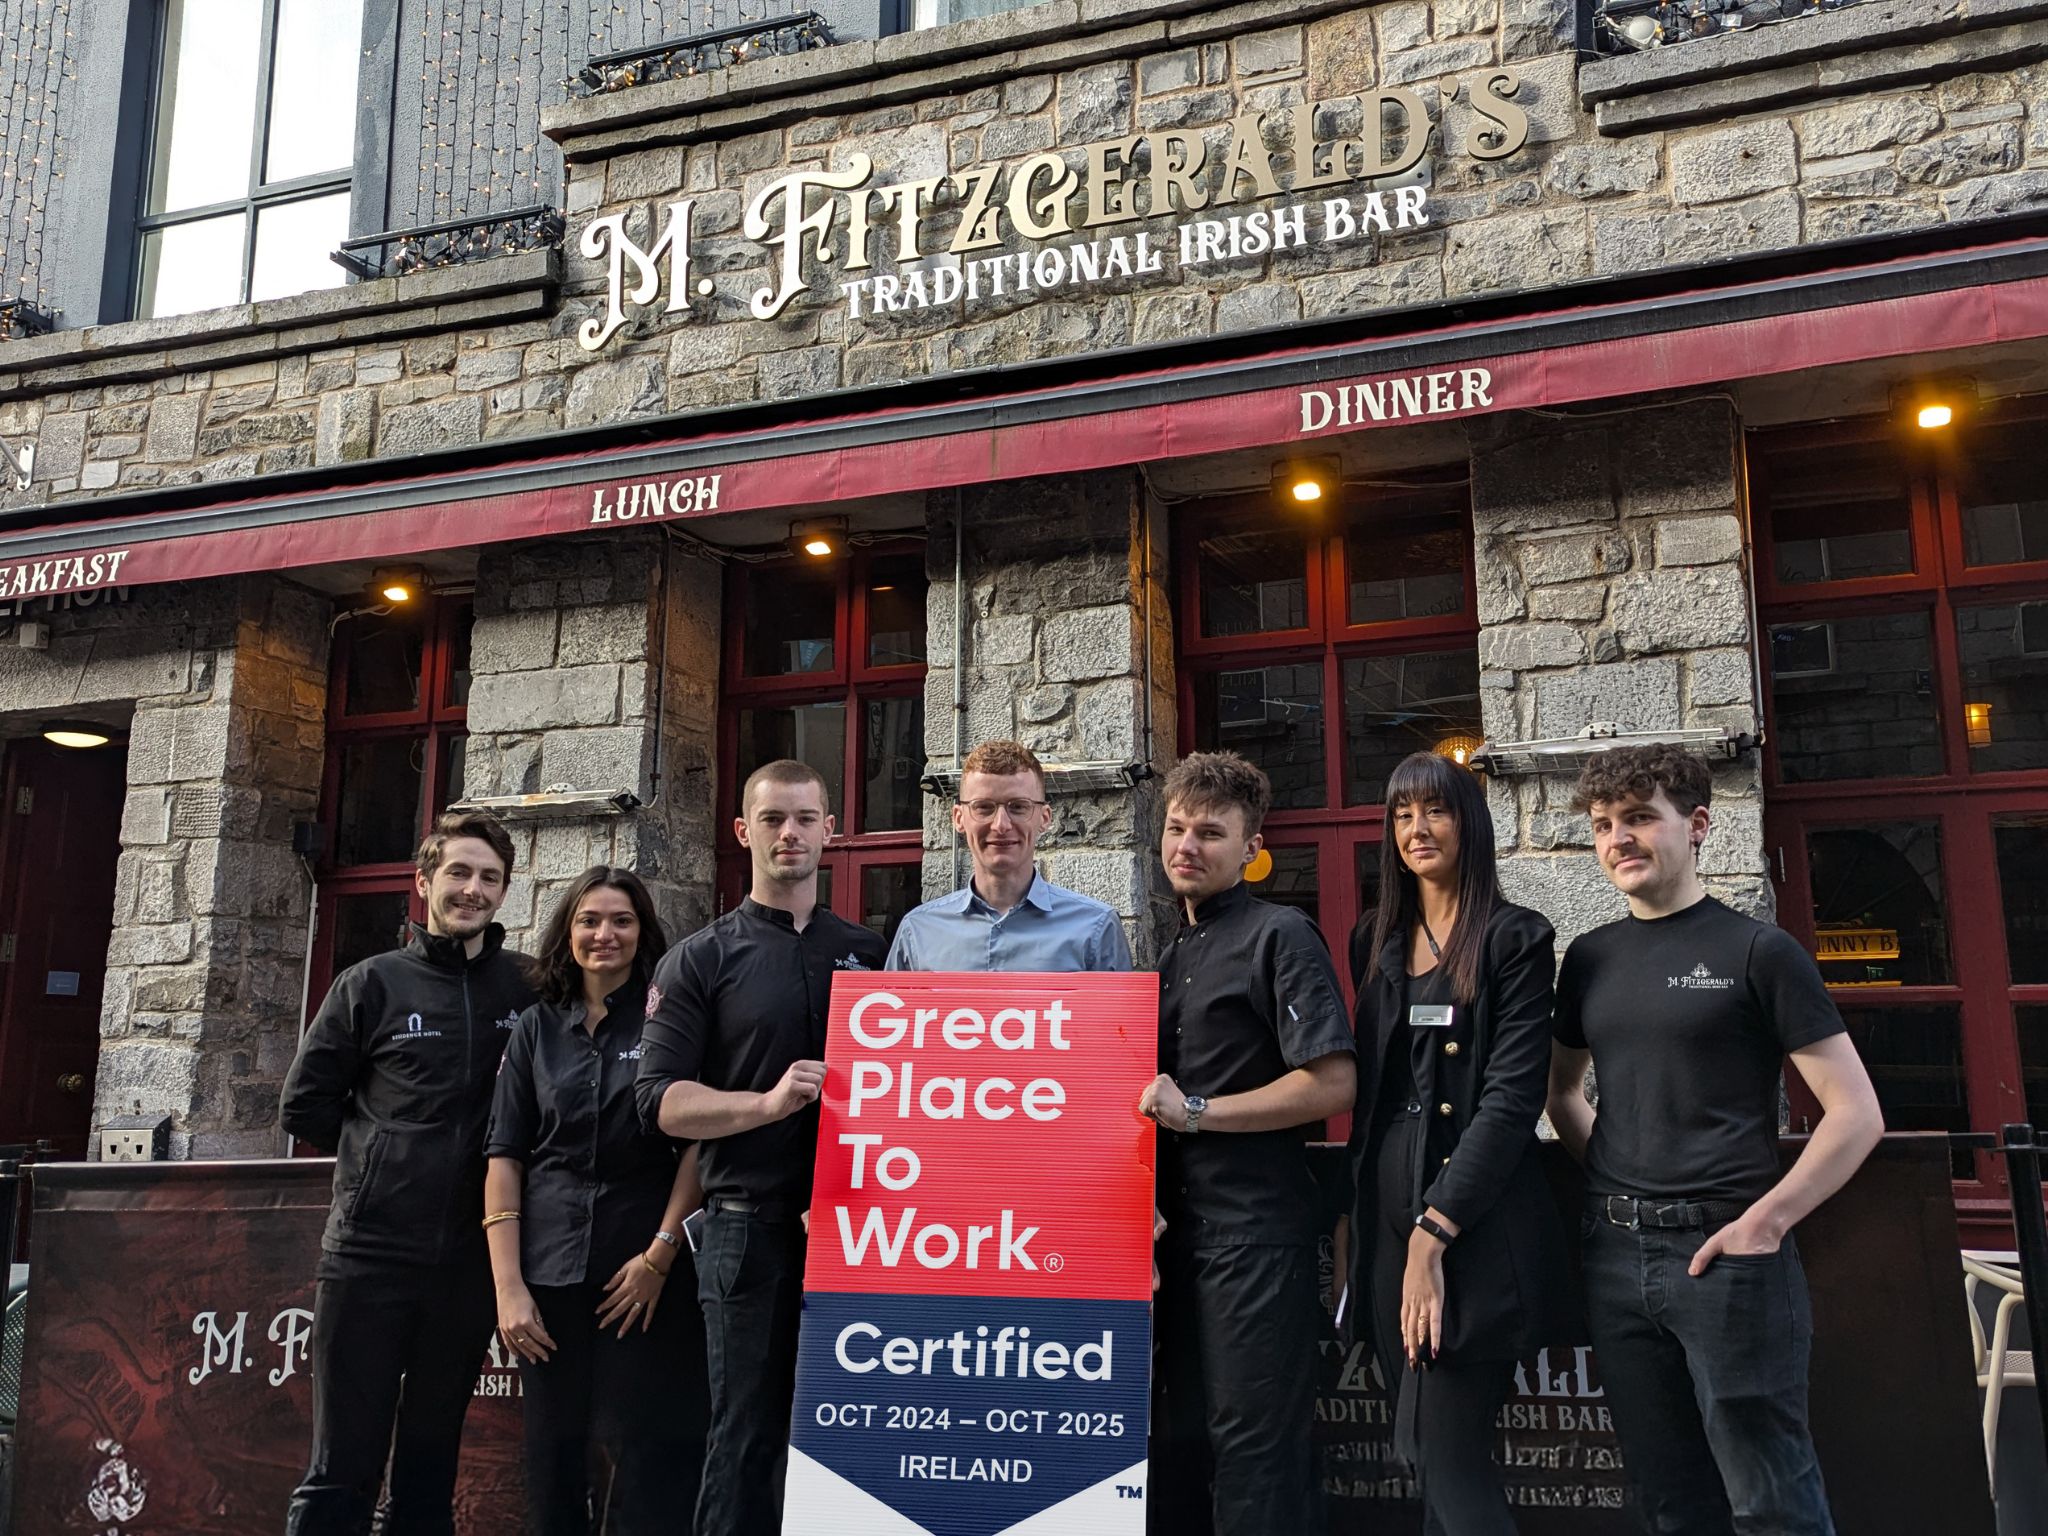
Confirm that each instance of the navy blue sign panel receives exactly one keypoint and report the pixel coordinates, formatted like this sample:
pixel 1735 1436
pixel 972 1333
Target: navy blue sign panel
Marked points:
pixel 970 1416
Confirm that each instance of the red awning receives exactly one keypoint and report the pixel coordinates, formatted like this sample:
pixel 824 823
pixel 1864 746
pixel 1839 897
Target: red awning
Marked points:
pixel 1451 374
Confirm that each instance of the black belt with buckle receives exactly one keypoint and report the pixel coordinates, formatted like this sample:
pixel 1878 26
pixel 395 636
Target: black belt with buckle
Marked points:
pixel 764 1210
pixel 1628 1211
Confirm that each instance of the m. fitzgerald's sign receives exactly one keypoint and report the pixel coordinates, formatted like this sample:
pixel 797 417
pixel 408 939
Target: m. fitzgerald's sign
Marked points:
pixel 943 224
pixel 976 1349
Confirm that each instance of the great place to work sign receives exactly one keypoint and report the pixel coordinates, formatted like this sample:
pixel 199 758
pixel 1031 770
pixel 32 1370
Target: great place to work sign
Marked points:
pixel 1049 222
pixel 976 1350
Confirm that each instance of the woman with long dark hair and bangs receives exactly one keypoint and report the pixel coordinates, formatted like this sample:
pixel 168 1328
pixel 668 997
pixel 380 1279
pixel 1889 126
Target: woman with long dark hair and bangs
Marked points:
pixel 1456 1256
pixel 584 1211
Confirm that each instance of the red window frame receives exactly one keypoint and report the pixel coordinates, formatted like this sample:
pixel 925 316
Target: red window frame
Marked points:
pixel 852 681
pixel 438 720
pixel 1337 829
pixel 1960 801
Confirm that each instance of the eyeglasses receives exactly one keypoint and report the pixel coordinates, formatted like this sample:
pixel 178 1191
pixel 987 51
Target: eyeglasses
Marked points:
pixel 985 810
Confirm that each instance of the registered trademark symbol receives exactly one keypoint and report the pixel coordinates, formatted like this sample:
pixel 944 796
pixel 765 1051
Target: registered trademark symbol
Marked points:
pixel 1054 1263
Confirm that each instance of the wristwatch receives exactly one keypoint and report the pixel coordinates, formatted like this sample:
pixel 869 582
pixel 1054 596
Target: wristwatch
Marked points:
pixel 1197 1107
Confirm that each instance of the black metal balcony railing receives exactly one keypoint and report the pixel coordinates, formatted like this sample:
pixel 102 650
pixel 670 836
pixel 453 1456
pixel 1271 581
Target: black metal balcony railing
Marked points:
pixel 452 242
pixel 19 318
pixel 1631 26
pixel 702 52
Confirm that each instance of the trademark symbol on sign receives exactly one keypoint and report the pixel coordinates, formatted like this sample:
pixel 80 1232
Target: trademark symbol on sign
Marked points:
pixel 1126 1491
pixel 1054 1263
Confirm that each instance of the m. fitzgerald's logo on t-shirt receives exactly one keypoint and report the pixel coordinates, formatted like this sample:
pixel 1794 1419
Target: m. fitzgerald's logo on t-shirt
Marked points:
pixel 1702 980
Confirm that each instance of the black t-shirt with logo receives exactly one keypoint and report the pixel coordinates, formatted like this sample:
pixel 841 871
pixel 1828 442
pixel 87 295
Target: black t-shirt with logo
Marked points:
pixel 1689 1018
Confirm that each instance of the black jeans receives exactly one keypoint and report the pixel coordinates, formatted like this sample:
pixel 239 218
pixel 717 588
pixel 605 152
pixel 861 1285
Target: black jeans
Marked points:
pixel 640 1402
pixel 376 1326
pixel 1706 1376
pixel 750 1277
pixel 1234 1392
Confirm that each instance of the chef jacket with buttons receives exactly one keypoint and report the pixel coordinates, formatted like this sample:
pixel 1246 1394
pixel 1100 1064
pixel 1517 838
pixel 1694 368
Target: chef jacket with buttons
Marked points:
pixel 597 1183
pixel 1247 994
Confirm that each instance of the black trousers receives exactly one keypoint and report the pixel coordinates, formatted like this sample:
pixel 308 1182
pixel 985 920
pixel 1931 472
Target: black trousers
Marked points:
pixel 1234 1392
pixel 750 1278
pixel 395 1354
pixel 639 1403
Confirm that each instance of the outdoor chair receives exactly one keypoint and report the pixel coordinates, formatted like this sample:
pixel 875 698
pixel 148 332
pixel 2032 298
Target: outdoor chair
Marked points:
pixel 1998 1366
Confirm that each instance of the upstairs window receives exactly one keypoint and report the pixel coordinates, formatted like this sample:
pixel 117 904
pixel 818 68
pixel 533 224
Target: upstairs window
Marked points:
pixel 251 151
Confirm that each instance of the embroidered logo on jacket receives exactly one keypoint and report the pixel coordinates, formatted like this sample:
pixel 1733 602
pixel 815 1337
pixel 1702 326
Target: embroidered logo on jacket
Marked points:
pixel 415 1030
pixel 1701 980
pixel 510 1021
pixel 852 962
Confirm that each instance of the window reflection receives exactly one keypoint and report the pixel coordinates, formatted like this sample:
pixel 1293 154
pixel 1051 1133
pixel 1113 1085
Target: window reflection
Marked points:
pixel 313 88
pixel 2004 499
pixel 1292 882
pixel 378 815
pixel 191 267
pixel 1839 515
pixel 894 747
pixel 810 733
pixel 896 598
pixel 292 245
pixel 368 924
pixel 887 891
pixel 1253 582
pixel 1397 705
pixel 2004 652
pixel 1273 716
pixel 1854 698
pixel 2022 851
pixel 1407 569
pixel 206 107
pixel 1878 914
pixel 2033 1028
pixel 1915 1060
pixel 790 620
pixel 382 656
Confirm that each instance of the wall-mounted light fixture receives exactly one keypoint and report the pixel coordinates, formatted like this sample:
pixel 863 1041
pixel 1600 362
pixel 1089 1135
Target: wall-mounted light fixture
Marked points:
pixel 1935 405
pixel 1459 747
pixel 398 583
pixel 819 538
pixel 79 735
pixel 1308 484
pixel 1977 724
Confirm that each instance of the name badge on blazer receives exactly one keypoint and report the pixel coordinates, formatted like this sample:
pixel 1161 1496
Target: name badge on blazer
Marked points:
pixel 1429 1015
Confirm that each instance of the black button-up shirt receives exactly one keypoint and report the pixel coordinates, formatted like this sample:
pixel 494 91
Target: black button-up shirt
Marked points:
pixel 596 1182
pixel 1246 995
pixel 732 1006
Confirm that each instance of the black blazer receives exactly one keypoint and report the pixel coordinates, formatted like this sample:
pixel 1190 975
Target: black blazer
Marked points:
pixel 1504 1278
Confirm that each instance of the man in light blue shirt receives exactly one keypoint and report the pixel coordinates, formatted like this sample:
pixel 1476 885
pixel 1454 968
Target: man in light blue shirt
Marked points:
pixel 1008 917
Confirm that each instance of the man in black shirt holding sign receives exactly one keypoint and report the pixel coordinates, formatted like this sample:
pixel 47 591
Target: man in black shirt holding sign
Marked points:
pixel 1697 1303
pixel 1254 1052
pixel 733 1057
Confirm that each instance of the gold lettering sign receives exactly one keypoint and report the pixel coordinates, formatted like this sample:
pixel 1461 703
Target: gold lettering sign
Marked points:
pixel 1856 944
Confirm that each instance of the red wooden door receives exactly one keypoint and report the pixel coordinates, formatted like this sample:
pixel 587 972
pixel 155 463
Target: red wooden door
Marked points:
pixel 60 818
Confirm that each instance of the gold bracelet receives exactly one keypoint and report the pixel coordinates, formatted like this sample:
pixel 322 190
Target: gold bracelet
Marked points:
pixel 652 1268
pixel 497 1216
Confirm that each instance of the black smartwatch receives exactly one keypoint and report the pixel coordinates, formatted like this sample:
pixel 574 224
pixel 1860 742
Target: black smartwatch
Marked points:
pixel 1435 1229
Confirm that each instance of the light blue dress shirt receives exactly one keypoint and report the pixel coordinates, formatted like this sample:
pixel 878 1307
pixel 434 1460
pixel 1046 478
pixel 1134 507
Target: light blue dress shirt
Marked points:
pixel 1051 929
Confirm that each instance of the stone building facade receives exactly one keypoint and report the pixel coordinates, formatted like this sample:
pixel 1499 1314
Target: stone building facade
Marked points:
pixel 1600 284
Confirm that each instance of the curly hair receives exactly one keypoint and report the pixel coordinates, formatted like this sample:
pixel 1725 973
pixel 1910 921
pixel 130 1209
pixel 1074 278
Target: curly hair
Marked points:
pixel 1637 773
pixel 1218 781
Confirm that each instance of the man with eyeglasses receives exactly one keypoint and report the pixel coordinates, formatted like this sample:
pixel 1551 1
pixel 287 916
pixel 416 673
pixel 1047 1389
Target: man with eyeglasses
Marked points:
pixel 1008 917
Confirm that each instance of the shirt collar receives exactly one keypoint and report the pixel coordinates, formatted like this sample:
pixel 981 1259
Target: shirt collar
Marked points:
pixel 1038 894
pixel 774 915
pixel 627 1000
pixel 1223 901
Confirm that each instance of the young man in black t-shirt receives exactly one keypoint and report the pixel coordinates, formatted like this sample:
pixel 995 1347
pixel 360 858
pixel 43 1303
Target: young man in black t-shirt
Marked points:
pixel 1694 1292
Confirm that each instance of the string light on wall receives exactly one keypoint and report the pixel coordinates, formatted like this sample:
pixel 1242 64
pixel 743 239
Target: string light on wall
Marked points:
pixel 37 67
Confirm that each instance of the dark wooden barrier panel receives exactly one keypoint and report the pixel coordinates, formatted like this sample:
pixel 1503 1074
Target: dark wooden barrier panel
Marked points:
pixel 165 1384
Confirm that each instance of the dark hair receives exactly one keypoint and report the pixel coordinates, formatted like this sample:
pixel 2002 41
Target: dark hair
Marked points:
pixel 557 977
pixel 784 770
pixel 1417 780
pixel 450 825
pixel 1001 759
pixel 1209 781
pixel 1637 773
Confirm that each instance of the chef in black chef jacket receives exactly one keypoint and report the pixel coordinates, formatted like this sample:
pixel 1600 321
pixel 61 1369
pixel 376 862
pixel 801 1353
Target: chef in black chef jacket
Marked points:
pixel 1255 1053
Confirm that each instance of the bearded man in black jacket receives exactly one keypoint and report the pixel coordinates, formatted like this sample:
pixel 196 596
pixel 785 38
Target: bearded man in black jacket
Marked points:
pixel 395 1077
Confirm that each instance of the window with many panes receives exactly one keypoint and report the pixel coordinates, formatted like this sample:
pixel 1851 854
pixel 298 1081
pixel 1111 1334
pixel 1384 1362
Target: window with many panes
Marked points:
pixel 1326 648
pixel 1904 586
pixel 397 706
pixel 250 157
pixel 825 663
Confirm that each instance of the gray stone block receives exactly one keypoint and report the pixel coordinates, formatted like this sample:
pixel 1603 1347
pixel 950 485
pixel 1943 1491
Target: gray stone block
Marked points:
pixel 173 435
pixel 1719 677
pixel 612 758
pixel 1636 695
pixel 1604 169
pixel 487 369
pixel 1680 609
pixel 1583 603
pixel 1002 639
pixel 1556 479
pixel 60 445
pixel 1095 102
pixel 1991 197
pixel 1635 242
pixel 539 701
pixel 796 375
pixel 1503 596
pixel 1735 838
pixel 1275 52
pixel 1158 74
pixel 1262 304
pixel 435 424
pixel 521 641
pixel 1981 151
pixel 1870 123
pixel 1718 164
pixel 1518 251
pixel 1567 888
pixel 1084 643
pixel 1698 540
pixel 1523 647
pixel 1432 61
pixel 615 391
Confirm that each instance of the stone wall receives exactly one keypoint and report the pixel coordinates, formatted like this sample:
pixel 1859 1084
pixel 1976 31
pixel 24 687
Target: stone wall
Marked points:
pixel 565 691
pixel 1613 586
pixel 228 686
pixel 1569 205
pixel 1056 579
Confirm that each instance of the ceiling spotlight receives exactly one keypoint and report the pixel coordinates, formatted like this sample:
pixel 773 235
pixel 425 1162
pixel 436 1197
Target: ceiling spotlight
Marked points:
pixel 75 734
pixel 398 583
pixel 1933 405
pixel 820 538
pixel 1305 483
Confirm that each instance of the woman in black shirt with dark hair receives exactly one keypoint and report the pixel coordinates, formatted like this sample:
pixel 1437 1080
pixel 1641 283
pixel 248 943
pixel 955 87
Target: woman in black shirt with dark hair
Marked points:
pixel 584 1212
pixel 1456 1252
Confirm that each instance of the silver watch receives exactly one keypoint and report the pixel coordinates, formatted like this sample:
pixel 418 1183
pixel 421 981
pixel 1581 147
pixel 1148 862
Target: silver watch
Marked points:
pixel 1197 1107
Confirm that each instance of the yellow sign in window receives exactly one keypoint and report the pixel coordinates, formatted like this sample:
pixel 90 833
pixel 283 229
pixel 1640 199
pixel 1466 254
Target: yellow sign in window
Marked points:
pixel 1856 944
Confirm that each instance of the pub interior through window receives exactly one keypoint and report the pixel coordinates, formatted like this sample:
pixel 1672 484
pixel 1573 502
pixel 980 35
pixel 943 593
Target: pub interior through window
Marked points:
pixel 1326 647
pixel 825 663
pixel 397 710
pixel 1905 591
pixel 253 135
